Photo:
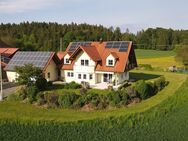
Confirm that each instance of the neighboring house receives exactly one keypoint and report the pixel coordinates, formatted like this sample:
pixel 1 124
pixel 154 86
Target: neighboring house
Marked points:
pixel 97 62
pixel 47 61
pixel 7 53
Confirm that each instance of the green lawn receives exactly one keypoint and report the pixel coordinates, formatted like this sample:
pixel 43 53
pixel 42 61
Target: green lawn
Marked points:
pixel 21 111
pixel 143 54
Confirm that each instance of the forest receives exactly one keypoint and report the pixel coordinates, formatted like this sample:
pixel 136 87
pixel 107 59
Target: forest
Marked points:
pixel 41 36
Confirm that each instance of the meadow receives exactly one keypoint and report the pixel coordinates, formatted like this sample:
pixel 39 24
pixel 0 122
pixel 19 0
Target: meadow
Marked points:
pixel 162 117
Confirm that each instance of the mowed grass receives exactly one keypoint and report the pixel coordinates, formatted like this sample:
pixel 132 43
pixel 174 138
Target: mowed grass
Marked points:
pixel 161 59
pixel 143 54
pixel 20 111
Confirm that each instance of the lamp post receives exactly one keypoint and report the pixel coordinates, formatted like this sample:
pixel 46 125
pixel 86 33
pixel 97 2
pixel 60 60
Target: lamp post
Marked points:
pixel 1 91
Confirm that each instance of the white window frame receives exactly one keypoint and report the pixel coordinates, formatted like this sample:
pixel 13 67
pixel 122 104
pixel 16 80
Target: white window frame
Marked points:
pixel 83 62
pixel 84 76
pixel 79 76
pixel 90 76
pixel 111 62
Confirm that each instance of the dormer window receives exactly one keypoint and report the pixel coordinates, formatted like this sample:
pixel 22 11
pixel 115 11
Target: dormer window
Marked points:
pixel 67 61
pixel 110 62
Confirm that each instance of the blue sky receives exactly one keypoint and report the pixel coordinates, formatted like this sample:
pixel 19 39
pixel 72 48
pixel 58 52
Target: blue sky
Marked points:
pixel 133 14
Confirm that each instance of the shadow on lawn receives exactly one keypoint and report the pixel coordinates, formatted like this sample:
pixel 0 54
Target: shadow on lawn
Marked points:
pixel 143 76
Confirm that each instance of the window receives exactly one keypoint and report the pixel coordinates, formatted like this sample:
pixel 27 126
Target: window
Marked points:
pixel 110 62
pixel 72 74
pixel 84 62
pixel 85 76
pixel 90 76
pixel 67 61
pixel 48 74
pixel 79 76
pixel 68 74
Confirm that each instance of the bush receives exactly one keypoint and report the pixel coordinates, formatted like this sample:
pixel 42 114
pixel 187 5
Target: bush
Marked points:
pixel 31 93
pixel 14 97
pixel 88 98
pixel 41 99
pixel 124 85
pixel 131 92
pixel 142 88
pixel 67 100
pixel 22 92
pixel 41 84
pixel 124 97
pixel 52 100
pixel 72 85
pixel 160 83
pixel 114 98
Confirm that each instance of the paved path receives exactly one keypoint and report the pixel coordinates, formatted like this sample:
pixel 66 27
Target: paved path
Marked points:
pixel 9 91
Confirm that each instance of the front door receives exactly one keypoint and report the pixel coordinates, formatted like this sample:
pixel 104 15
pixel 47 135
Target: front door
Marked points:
pixel 107 77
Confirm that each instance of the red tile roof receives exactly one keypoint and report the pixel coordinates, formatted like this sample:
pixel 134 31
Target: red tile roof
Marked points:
pixel 8 51
pixel 61 55
pixel 98 52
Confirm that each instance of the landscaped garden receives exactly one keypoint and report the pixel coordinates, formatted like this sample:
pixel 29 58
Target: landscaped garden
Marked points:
pixel 161 116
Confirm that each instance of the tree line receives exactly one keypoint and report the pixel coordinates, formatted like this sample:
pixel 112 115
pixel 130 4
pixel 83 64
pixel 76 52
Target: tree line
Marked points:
pixel 41 36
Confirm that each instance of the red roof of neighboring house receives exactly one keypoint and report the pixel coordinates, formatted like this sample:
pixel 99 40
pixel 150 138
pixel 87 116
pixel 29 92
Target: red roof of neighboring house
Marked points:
pixel 98 53
pixel 3 64
pixel 60 55
pixel 8 51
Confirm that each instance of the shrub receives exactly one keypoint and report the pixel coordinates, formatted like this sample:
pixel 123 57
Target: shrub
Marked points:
pixel 52 100
pixel 67 100
pixel 83 91
pixel 22 92
pixel 160 83
pixel 124 85
pixel 90 97
pixel 41 83
pixel 131 92
pixel 31 93
pixel 73 85
pixel 114 98
pixel 14 97
pixel 41 98
pixel 142 88
pixel 124 97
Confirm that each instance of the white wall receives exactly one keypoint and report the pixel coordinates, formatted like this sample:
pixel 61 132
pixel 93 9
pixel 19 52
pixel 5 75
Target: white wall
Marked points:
pixel 67 56
pixel 11 76
pixel 65 77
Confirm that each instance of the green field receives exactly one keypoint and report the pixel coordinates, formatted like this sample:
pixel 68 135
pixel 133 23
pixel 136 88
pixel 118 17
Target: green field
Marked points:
pixel 162 117
pixel 159 59
pixel 143 54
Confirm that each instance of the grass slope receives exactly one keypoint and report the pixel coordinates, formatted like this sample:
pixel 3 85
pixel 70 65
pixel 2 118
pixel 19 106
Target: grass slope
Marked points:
pixel 22 112
pixel 166 122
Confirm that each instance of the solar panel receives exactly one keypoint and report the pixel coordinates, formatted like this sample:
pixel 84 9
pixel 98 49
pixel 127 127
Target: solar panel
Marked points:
pixel 121 45
pixel 38 59
pixel 75 45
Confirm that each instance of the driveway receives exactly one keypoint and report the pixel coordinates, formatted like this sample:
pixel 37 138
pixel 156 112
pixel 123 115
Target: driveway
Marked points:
pixel 9 91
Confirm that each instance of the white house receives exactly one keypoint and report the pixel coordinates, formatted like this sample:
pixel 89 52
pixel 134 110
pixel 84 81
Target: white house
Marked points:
pixel 97 62
pixel 47 61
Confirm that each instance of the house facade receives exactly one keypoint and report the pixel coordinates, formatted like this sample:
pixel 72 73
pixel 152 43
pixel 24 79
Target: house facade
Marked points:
pixel 47 61
pixel 97 62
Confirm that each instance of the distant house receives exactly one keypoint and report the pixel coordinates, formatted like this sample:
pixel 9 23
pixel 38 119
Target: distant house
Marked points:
pixel 7 53
pixel 47 61
pixel 97 62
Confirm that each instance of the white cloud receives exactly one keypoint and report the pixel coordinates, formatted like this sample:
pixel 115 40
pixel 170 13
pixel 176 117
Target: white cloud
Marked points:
pixel 19 6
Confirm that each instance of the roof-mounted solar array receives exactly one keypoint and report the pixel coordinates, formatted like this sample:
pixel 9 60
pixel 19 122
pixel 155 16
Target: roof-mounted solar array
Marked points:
pixel 121 45
pixel 75 45
pixel 38 59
